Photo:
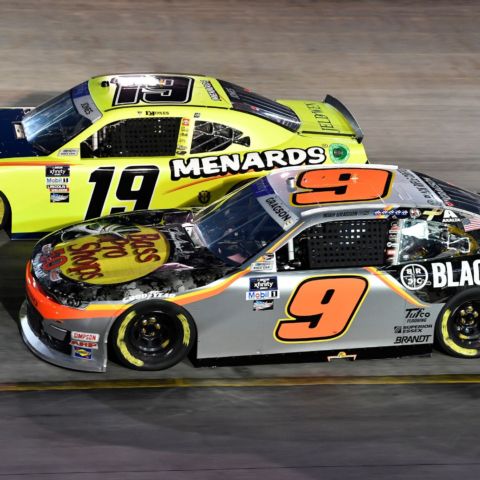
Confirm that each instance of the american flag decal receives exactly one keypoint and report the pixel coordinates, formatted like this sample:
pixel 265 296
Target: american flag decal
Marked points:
pixel 472 223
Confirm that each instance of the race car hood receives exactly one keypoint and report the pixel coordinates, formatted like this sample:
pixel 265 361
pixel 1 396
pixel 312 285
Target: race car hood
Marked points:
pixel 325 118
pixel 10 145
pixel 122 258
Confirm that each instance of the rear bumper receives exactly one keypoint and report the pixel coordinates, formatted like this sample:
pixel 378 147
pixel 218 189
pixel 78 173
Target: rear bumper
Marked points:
pixel 35 334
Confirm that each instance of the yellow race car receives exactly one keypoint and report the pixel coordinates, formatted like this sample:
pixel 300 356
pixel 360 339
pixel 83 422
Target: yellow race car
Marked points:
pixel 127 142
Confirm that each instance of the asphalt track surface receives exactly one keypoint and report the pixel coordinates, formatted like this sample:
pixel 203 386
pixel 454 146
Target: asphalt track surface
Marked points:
pixel 410 73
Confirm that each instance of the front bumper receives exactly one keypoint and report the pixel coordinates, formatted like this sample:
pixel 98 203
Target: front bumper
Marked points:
pixel 34 331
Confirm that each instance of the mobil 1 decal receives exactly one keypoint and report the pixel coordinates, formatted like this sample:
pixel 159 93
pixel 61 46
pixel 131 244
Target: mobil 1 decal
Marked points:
pixel 211 166
pixel 444 274
pixel 57 179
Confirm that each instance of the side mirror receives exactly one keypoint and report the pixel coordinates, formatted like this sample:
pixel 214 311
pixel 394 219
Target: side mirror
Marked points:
pixel 244 141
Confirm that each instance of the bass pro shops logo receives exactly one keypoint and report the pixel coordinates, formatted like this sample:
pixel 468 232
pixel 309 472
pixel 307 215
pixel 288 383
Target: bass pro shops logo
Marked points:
pixel 414 276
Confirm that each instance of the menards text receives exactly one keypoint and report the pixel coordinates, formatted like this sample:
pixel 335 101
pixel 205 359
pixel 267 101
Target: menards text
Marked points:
pixel 200 167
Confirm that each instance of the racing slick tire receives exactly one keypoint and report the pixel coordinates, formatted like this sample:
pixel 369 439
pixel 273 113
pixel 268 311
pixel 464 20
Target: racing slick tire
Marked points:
pixel 152 335
pixel 457 330
pixel 5 214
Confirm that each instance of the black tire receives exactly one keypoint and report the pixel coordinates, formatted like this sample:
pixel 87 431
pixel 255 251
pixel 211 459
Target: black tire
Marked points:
pixel 153 336
pixel 457 330
pixel 6 217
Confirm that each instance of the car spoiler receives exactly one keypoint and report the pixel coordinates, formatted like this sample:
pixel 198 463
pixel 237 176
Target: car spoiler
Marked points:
pixel 335 103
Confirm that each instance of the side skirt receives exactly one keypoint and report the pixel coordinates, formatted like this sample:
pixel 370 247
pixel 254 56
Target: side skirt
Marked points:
pixel 303 357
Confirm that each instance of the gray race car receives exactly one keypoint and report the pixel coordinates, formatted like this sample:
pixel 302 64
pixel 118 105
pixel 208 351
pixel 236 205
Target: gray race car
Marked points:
pixel 326 262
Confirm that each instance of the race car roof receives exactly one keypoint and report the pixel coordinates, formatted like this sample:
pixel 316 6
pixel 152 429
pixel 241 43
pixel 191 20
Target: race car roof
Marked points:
pixel 309 189
pixel 121 90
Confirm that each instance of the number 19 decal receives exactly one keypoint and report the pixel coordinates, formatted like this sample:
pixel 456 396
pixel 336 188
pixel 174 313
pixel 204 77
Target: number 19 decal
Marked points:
pixel 337 185
pixel 142 195
pixel 322 308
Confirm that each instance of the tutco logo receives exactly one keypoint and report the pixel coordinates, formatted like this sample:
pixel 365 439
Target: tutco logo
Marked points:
pixel 414 276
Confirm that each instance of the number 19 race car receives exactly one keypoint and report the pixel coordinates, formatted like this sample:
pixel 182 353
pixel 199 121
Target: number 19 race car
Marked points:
pixel 130 142
pixel 327 261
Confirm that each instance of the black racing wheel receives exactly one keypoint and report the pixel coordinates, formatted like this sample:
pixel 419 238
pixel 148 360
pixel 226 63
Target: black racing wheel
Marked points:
pixel 153 336
pixel 457 330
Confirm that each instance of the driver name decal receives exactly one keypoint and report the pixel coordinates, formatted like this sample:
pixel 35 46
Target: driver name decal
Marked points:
pixel 278 211
pixel 204 167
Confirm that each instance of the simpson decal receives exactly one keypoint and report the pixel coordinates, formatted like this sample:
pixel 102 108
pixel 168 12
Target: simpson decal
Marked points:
pixel 211 166
pixel 85 336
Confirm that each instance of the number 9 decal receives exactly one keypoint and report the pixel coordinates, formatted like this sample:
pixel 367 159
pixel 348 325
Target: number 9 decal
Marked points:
pixel 322 308
pixel 336 185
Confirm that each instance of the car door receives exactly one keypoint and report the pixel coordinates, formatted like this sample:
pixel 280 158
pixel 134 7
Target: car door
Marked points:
pixel 328 292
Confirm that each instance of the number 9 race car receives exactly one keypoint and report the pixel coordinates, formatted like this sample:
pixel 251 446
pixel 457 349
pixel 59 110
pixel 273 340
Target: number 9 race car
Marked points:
pixel 129 142
pixel 327 261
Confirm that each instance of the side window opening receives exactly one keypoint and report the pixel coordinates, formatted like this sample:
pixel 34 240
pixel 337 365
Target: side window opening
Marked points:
pixel 134 137
pixel 214 137
pixel 422 239
pixel 349 243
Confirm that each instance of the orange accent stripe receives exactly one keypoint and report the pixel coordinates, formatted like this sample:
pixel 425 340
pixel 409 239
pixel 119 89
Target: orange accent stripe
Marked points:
pixel 50 309
pixel 290 233
pixel 393 285
pixel 208 292
pixel 34 164
pixel 203 180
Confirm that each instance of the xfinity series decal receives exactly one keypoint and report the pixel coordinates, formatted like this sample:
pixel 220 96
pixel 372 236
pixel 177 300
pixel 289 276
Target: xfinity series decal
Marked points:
pixel 263 288
pixel 57 180
pixel 205 167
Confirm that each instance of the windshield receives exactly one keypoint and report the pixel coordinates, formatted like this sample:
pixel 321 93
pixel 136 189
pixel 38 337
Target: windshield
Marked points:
pixel 247 101
pixel 239 226
pixel 51 125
